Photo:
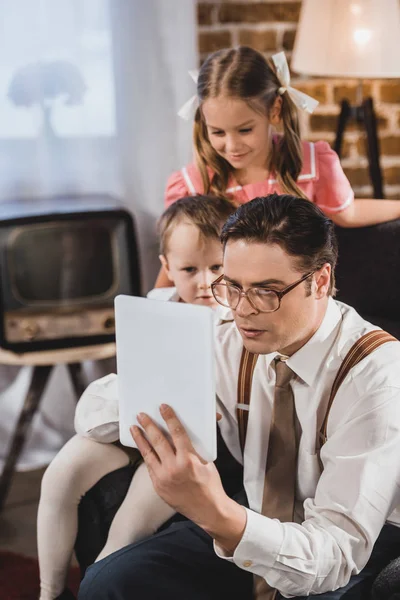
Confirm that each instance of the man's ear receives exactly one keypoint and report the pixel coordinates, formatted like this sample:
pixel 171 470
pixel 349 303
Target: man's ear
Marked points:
pixel 164 263
pixel 322 281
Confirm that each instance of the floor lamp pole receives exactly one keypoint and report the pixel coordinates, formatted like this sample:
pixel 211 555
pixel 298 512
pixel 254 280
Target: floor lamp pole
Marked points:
pixel 363 113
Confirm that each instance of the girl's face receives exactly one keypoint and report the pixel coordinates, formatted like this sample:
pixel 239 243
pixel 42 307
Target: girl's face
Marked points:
pixel 238 133
pixel 193 263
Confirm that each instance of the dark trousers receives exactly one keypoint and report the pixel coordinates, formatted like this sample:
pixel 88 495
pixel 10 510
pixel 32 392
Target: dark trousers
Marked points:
pixel 179 563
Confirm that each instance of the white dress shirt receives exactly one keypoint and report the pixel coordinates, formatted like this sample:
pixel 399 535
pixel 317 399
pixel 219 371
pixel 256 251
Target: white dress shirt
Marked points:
pixel 340 512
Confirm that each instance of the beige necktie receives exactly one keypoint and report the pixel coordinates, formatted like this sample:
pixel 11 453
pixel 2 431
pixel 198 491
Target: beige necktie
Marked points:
pixel 280 471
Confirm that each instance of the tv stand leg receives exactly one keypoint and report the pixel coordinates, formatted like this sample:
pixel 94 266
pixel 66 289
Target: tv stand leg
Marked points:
pixel 37 385
pixel 78 381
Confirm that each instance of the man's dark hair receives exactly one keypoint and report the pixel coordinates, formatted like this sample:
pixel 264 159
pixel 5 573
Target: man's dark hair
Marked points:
pixel 298 226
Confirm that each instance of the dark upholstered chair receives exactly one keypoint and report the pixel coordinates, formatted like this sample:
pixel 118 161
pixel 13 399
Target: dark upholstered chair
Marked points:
pixel 368 273
pixel 96 512
pixel 368 278
pixel 387 584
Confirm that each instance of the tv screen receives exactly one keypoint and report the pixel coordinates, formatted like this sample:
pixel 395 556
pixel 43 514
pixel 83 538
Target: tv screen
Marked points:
pixel 70 261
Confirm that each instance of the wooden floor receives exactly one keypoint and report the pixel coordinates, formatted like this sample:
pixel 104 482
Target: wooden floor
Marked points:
pixel 18 517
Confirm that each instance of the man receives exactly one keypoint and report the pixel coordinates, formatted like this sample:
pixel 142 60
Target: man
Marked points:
pixel 307 530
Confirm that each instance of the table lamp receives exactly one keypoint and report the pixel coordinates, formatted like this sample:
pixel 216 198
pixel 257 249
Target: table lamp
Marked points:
pixel 357 39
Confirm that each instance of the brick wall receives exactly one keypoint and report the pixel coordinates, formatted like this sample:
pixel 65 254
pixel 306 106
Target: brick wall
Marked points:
pixel 270 27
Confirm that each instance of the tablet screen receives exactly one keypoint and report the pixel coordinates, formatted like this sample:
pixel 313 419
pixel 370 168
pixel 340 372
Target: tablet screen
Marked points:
pixel 165 354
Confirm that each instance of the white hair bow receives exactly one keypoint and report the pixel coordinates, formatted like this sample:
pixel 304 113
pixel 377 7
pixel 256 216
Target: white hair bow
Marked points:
pixel 187 111
pixel 301 100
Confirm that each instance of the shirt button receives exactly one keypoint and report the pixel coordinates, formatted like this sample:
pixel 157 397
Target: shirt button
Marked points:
pixel 247 563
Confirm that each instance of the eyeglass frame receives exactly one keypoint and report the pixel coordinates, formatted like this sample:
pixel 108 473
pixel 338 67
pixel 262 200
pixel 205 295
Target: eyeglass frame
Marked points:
pixel 242 294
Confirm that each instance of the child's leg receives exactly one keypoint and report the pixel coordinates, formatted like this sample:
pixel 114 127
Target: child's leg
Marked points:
pixel 75 469
pixel 140 515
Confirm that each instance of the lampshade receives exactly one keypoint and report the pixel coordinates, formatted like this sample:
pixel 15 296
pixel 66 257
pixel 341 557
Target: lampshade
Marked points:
pixel 348 38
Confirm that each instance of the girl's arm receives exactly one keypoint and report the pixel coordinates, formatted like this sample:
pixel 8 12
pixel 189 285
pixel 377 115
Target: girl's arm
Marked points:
pixel 334 195
pixel 362 213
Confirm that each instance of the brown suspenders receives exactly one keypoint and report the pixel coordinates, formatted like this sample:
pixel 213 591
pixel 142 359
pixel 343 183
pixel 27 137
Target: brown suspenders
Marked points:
pixel 360 349
pixel 245 379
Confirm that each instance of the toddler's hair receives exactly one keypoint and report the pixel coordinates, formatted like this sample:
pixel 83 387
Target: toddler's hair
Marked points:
pixel 245 74
pixel 207 213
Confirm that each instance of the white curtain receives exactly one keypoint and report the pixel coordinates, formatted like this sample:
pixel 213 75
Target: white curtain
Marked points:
pixel 89 91
pixel 154 47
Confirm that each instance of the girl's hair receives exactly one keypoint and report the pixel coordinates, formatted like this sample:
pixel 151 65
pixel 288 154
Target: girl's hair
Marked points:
pixel 298 226
pixel 207 213
pixel 244 73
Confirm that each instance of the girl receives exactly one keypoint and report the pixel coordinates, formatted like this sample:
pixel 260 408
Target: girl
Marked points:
pixel 191 253
pixel 241 99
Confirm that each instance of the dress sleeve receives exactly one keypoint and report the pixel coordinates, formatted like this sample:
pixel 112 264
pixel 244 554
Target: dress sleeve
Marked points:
pixel 176 188
pixel 96 414
pixel 333 192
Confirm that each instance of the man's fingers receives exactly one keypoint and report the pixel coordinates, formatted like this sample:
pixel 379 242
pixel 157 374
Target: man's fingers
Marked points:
pixel 155 437
pixel 178 433
pixel 149 456
pixel 219 416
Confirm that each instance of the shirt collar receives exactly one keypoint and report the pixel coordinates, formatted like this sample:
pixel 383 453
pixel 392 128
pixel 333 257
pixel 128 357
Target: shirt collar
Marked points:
pixel 223 314
pixel 168 294
pixel 307 361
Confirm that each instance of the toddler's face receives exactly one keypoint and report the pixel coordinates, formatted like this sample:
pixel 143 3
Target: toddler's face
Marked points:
pixel 193 263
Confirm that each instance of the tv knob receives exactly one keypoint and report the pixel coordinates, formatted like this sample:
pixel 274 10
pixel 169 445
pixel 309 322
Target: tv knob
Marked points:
pixel 31 330
pixel 109 323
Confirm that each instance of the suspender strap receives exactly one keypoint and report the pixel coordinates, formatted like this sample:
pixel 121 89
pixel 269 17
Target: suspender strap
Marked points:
pixel 246 369
pixel 359 350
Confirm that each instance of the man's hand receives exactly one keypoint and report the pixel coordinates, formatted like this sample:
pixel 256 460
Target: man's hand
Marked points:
pixel 186 482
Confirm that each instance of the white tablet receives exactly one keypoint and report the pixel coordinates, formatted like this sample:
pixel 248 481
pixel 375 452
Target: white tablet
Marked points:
pixel 165 354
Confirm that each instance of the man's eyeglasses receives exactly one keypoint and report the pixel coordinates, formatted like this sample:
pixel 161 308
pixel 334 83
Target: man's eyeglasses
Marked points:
pixel 261 299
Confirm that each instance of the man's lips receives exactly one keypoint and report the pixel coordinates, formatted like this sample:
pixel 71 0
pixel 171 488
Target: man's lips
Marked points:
pixel 250 332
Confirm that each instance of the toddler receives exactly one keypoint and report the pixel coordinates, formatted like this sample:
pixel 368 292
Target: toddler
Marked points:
pixel 191 254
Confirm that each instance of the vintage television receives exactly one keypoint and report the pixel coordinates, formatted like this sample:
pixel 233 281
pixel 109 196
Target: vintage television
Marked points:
pixel 62 262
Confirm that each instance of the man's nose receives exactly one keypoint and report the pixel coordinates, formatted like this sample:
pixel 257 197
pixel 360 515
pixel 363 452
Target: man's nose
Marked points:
pixel 244 308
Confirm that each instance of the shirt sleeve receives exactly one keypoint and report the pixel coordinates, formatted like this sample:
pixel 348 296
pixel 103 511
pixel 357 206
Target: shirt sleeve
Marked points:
pixel 96 414
pixel 357 491
pixel 333 192
pixel 176 188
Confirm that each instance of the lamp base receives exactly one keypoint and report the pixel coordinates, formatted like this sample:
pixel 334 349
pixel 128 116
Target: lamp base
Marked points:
pixel 365 114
